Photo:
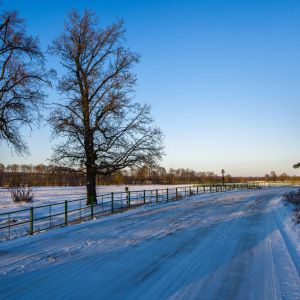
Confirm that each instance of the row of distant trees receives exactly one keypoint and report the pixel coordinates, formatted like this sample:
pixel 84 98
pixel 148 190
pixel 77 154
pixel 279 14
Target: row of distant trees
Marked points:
pixel 102 130
pixel 51 175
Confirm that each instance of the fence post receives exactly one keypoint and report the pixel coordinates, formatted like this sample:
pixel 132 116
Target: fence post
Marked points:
pixel 8 218
pixel 112 202
pixel 190 190
pixel 176 193
pixel 129 204
pixel 144 196
pixel 31 221
pixel 197 189
pixel 66 212
pixel 167 195
pixel 92 207
pixel 204 189
pixel 156 196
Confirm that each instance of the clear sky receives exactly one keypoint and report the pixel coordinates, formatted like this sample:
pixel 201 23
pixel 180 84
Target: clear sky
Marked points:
pixel 223 77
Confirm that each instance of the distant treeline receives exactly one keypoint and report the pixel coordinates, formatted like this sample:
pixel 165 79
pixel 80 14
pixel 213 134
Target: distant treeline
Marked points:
pixel 50 175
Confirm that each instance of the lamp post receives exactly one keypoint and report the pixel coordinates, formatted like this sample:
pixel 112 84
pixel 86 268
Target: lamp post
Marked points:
pixel 223 172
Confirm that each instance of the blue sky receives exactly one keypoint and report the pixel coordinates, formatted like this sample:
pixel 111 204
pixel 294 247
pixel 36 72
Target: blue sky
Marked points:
pixel 223 78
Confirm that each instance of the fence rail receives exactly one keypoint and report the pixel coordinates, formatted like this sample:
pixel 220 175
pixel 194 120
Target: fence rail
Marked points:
pixel 40 218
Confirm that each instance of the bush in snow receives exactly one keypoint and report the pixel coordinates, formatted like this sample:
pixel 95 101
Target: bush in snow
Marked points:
pixel 21 193
pixel 296 215
pixel 293 197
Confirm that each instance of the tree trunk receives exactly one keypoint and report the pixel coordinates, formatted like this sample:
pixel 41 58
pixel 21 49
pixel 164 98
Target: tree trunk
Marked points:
pixel 91 186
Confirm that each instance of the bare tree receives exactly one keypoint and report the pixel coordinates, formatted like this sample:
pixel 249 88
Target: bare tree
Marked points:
pixel 20 192
pixel 104 130
pixel 22 77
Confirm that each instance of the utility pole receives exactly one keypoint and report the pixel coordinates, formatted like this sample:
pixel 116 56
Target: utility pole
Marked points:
pixel 223 179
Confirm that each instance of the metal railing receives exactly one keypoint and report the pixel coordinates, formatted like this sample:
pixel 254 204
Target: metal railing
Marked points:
pixel 40 218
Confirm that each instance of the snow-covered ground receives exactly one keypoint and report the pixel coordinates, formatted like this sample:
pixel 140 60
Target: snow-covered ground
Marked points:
pixel 232 245
pixel 51 195
pixel 49 206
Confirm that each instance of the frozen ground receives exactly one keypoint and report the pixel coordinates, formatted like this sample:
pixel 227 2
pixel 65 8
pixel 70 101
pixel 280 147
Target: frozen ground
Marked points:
pixel 51 195
pixel 233 245
pixel 49 206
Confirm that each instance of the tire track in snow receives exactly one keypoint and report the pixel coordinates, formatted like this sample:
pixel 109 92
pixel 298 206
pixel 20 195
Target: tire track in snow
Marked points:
pixel 178 252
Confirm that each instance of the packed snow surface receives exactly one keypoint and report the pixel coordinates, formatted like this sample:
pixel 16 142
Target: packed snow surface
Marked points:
pixel 232 245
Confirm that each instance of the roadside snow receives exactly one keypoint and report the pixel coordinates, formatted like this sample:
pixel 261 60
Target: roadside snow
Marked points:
pixel 233 245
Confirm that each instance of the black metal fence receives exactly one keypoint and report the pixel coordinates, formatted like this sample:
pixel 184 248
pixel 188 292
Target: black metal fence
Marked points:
pixel 40 218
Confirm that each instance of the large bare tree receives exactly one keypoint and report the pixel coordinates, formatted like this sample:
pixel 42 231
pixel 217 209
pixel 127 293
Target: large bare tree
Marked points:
pixel 104 130
pixel 22 79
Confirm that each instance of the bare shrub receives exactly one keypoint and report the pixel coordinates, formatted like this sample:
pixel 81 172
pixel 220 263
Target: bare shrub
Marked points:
pixel 293 197
pixel 296 215
pixel 21 193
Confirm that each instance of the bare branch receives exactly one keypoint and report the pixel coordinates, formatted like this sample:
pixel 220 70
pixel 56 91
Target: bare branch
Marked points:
pixel 22 79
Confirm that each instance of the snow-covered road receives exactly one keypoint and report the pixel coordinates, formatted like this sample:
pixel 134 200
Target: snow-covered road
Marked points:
pixel 233 245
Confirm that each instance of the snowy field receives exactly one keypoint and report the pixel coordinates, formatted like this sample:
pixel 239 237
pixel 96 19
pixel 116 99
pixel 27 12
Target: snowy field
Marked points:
pixel 50 210
pixel 51 195
pixel 15 217
pixel 233 245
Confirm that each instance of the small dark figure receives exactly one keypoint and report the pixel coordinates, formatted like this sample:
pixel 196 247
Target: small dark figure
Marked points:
pixel 127 194
pixel 223 173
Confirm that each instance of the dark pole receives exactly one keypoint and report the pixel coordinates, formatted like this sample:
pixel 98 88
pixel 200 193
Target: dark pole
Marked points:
pixel 223 172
